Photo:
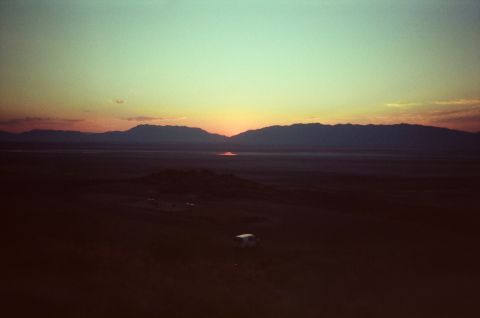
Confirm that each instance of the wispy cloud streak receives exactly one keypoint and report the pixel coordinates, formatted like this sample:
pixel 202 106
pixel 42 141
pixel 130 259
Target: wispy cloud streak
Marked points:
pixel 33 120
pixel 403 105
pixel 455 113
pixel 451 102
pixel 148 118
pixel 461 102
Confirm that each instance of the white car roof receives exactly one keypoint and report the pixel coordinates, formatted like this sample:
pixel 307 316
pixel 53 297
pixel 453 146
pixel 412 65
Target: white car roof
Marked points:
pixel 245 235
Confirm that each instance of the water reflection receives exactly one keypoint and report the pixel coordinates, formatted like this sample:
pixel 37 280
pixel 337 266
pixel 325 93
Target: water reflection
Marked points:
pixel 227 153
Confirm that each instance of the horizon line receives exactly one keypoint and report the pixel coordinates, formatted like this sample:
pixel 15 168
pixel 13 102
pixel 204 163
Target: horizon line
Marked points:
pixel 229 136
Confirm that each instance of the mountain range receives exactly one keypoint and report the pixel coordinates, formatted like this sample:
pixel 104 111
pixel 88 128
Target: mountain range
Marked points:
pixel 297 136
pixel 140 134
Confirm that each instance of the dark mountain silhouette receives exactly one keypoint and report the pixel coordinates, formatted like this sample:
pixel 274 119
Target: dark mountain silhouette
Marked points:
pixel 402 136
pixel 6 135
pixel 138 134
pixel 161 134
pixel 297 136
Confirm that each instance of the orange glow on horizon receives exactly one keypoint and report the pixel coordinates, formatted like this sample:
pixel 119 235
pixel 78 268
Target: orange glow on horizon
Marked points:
pixel 99 125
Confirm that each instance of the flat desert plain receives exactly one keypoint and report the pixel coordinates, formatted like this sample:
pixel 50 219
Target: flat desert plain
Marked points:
pixel 149 233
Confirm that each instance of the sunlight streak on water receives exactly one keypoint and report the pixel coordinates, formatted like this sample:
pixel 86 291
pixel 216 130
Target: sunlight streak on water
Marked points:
pixel 227 153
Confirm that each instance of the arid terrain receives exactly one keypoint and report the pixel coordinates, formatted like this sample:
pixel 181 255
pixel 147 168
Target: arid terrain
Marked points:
pixel 90 233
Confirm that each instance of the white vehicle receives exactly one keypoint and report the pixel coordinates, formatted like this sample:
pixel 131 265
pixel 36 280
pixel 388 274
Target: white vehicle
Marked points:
pixel 246 240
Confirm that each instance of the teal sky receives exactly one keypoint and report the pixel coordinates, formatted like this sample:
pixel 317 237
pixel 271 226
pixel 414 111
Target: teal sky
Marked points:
pixel 228 66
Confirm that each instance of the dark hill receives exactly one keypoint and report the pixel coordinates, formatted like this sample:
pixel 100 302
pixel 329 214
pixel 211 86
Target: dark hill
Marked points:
pixel 298 136
pixel 161 134
pixel 139 134
pixel 203 183
pixel 402 136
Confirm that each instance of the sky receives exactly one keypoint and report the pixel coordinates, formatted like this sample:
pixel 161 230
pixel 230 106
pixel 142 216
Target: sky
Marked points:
pixel 229 66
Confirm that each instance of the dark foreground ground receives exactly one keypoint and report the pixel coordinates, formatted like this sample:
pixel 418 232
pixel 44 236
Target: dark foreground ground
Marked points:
pixel 343 235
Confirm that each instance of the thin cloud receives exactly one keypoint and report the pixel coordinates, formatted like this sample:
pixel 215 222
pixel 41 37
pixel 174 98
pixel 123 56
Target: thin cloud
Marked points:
pixel 35 120
pixel 149 118
pixel 461 102
pixel 143 118
pixel 403 105
pixel 449 102
pixel 470 114
pixel 457 114
pixel 467 119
